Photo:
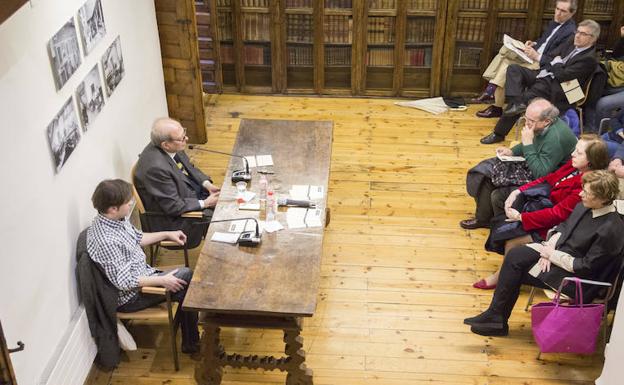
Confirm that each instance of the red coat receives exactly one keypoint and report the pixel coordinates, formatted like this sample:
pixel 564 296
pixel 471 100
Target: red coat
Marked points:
pixel 564 196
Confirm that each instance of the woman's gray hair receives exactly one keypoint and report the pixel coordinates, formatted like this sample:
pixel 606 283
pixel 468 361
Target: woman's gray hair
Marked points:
pixel 591 24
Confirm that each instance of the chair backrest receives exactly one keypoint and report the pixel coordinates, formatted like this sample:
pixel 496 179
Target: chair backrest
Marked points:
pixel 137 198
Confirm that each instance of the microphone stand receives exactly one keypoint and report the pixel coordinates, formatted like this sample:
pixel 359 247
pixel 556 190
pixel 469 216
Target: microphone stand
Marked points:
pixel 238 175
pixel 246 238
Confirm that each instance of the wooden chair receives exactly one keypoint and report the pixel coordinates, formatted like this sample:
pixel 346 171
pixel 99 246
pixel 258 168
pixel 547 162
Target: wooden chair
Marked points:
pixel 168 310
pixel 145 226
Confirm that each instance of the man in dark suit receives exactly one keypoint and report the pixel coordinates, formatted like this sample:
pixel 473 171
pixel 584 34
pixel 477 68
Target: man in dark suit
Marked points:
pixel 575 59
pixel 557 31
pixel 169 184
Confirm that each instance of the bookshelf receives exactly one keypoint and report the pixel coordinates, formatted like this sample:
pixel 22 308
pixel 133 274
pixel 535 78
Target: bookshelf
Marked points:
pixel 411 48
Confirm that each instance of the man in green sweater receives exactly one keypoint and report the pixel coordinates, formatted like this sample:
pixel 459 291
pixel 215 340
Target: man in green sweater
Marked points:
pixel 547 142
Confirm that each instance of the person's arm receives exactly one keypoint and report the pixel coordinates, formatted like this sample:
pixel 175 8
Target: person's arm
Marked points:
pixel 619 153
pixel 549 217
pixel 577 68
pixel 175 236
pixel 162 187
pixel 543 162
pixel 169 281
pixel 119 271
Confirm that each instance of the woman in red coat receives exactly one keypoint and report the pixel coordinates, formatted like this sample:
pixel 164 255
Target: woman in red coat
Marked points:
pixel 565 185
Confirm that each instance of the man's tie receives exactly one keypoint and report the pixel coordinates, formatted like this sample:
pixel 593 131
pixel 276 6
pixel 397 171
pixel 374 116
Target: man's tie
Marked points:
pixel 570 55
pixel 180 165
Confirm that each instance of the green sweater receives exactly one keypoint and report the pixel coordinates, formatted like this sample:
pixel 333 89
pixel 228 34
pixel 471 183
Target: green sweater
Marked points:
pixel 549 149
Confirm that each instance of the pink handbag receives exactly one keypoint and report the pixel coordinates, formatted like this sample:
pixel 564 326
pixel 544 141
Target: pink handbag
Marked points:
pixel 562 328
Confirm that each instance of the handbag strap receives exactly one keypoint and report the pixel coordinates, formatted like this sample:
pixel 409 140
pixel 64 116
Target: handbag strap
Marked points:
pixel 578 299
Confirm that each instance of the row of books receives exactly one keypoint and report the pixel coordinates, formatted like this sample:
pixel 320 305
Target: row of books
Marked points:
pixel 422 5
pixel 224 25
pixel 338 29
pixel 599 6
pixel 473 4
pixel 298 3
pixel 256 26
pixel 380 57
pixel 467 57
pixel 470 29
pixel 253 55
pixel 337 56
pixel 420 30
pixel 382 4
pixel 512 27
pixel 254 3
pixel 380 30
pixel 299 28
pixel 418 57
pixel 300 56
pixel 337 3
pixel 514 5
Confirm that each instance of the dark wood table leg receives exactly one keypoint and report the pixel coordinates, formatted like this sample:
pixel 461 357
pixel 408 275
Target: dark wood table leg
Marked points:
pixel 298 373
pixel 209 370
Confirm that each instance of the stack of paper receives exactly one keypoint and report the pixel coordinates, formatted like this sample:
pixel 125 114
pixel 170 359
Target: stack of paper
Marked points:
pixel 259 160
pixel 298 218
pixel 304 191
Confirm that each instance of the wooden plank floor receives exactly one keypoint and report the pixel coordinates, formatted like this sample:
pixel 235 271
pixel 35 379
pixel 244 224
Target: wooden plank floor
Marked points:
pixel 397 269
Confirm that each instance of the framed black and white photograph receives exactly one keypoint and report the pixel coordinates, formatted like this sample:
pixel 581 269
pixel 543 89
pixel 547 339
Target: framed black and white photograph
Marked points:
pixel 90 97
pixel 112 66
pixel 63 134
pixel 91 22
pixel 64 53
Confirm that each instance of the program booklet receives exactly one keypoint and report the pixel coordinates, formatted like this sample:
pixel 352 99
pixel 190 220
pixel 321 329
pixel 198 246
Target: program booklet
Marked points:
pixel 517 47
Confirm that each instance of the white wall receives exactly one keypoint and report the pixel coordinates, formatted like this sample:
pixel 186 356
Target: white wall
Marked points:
pixel 43 212
pixel 614 352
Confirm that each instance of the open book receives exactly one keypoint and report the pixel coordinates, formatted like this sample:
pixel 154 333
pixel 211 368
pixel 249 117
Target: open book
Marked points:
pixel 517 47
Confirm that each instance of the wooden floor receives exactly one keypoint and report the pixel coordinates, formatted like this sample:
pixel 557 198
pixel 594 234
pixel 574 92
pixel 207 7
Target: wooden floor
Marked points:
pixel 397 269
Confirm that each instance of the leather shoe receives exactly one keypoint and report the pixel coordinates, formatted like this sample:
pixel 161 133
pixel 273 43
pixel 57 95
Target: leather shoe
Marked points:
pixel 490 112
pixel 492 138
pixel 490 332
pixel 473 223
pixel 483 99
pixel 482 284
pixel 192 348
pixel 514 109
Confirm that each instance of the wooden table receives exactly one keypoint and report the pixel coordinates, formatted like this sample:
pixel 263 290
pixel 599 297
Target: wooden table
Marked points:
pixel 274 285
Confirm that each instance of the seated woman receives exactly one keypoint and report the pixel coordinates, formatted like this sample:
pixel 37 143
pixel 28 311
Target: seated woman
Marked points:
pixel 588 245
pixel 565 184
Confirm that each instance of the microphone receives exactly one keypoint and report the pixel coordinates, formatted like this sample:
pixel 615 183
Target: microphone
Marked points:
pixel 296 203
pixel 237 176
pixel 246 238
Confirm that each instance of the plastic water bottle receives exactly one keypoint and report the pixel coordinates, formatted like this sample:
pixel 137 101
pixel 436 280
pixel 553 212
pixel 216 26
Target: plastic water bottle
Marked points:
pixel 270 206
pixel 263 184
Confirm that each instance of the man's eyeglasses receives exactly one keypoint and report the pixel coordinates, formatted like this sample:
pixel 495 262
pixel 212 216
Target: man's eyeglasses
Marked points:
pixel 183 139
pixel 529 120
pixel 583 33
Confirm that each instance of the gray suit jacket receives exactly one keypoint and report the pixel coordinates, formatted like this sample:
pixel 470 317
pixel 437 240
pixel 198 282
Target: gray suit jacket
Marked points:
pixel 164 189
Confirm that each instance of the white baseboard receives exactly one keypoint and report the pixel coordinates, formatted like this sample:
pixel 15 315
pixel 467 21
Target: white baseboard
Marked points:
pixel 74 357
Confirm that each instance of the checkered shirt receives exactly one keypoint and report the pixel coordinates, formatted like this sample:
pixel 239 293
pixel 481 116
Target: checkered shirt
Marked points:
pixel 115 246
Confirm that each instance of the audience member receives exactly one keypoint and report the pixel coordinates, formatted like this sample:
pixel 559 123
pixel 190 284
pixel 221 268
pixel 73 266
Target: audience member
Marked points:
pixel 546 143
pixel 574 59
pixel 556 32
pixel 615 136
pixel 613 98
pixel 115 245
pixel 169 184
pixel 562 188
pixel 587 245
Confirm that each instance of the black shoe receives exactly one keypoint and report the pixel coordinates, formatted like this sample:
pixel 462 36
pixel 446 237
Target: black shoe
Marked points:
pixel 514 109
pixel 486 319
pixel 191 348
pixel 473 223
pixel 490 112
pixel 492 138
pixel 486 331
pixel 483 99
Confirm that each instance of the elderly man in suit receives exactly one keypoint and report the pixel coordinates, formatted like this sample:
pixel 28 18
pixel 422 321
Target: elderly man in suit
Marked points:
pixel 169 184
pixel 575 59
pixel 556 33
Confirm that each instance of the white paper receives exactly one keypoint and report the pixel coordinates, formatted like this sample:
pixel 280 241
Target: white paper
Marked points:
pixel 299 191
pixel 248 195
pixel 295 217
pixel 313 218
pixel 218 236
pixel 251 160
pixel 316 192
pixel 272 226
pixel 264 160
pixel 510 158
pixel 516 46
pixel 249 206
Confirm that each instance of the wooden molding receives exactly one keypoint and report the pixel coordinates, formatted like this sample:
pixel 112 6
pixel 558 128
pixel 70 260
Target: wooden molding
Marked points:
pixel 9 7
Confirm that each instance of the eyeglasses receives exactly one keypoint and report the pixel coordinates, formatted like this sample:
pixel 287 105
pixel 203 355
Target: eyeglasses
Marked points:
pixel 586 34
pixel 529 120
pixel 183 139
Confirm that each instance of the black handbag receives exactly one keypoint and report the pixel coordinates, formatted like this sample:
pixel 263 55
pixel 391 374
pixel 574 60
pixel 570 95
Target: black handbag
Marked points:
pixel 510 173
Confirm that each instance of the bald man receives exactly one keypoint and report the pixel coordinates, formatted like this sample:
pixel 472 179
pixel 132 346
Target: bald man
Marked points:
pixel 169 184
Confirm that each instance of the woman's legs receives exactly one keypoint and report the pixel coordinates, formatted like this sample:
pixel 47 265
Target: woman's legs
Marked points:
pixel 492 280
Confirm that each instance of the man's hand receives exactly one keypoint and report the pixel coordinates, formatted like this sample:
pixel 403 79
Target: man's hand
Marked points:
pixel 615 164
pixel 172 283
pixel 211 201
pixel 531 52
pixel 212 189
pixel 504 151
pixel 511 199
pixel 177 236
pixel 556 60
pixel 529 44
pixel 544 264
pixel 527 135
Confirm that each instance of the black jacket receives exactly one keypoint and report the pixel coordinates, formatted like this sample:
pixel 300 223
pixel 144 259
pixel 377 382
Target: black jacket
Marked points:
pixel 567 29
pixel 99 297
